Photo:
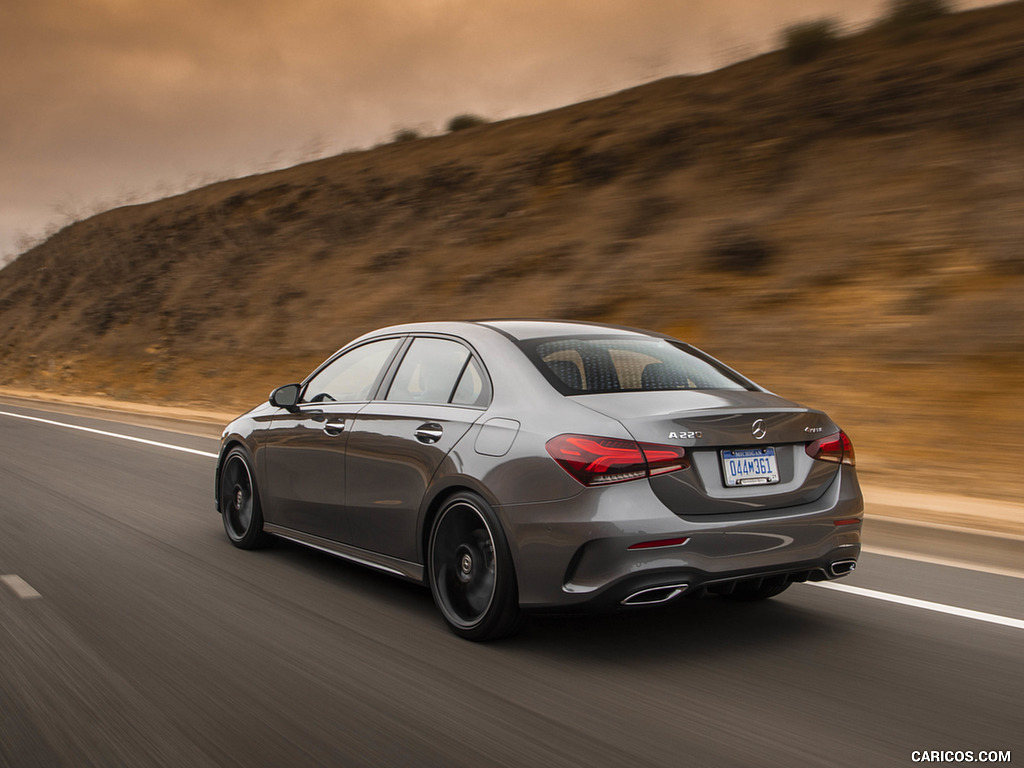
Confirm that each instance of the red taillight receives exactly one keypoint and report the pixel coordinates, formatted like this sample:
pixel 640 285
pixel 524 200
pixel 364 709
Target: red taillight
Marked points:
pixel 604 460
pixel 835 448
pixel 664 458
pixel 598 460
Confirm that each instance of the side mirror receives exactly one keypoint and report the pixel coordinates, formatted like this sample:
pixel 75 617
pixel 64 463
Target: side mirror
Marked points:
pixel 286 397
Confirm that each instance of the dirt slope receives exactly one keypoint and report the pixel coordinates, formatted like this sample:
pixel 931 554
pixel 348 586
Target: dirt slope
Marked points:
pixel 847 232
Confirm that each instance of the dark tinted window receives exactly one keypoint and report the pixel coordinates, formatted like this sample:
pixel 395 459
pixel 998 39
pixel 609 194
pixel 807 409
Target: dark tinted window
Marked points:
pixel 576 366
pixel 429 371
pixel 349 378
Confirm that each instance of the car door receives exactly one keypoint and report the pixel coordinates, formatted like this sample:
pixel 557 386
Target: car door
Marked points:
pixel 398 441
pixel 304 452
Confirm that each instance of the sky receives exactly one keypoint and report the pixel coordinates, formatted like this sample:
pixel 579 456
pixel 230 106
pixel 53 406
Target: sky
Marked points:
pixel 108 102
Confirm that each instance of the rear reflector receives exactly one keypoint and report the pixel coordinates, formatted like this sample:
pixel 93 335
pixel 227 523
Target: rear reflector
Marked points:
pixel 850 521
pixel 659 543
pixel 605 460
pixel 836 448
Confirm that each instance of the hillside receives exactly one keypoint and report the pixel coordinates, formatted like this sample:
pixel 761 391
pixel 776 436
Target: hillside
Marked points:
pixel 848 232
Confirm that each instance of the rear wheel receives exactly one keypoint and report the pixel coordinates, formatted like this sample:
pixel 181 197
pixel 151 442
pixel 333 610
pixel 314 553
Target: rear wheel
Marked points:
pixel 240 503
pixel 470 569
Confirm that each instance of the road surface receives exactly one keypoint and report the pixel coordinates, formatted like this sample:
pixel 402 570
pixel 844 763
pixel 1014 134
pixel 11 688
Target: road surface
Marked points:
pixel 133 634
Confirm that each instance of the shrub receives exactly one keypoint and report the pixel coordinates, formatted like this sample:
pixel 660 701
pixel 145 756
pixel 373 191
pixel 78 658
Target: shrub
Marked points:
pixel 462 122
pixel 903 14
pixel 739 249
pixel 807 41
pixel 389 259
pixel 406 134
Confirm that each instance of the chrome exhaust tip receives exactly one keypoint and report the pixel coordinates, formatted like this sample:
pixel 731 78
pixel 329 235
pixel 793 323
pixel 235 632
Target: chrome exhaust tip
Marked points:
pixel 653 595
pixel 841 567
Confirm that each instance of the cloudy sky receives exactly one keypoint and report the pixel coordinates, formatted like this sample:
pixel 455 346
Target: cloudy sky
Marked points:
pixel 111 101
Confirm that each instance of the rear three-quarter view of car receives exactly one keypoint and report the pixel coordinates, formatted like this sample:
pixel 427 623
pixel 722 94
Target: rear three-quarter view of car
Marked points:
pixel 530 465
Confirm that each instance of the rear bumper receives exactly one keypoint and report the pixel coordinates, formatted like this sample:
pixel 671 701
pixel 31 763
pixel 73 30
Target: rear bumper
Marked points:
pixel 659 587
pixel 574 555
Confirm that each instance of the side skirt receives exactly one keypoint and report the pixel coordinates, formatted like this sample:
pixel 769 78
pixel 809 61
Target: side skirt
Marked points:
pixel 392 565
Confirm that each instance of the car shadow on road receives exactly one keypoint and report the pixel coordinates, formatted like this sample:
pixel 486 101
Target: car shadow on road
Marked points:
pixel 707 626
pixel 354 579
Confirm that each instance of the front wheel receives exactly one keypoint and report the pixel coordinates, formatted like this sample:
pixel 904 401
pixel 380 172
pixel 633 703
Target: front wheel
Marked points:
pixel 471 573
pixel 240 503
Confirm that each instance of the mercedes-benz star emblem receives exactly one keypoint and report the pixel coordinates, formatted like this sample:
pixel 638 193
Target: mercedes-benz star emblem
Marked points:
pixel 758 429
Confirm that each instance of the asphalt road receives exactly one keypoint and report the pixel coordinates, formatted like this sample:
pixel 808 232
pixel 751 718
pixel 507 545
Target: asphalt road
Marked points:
pixel 133 634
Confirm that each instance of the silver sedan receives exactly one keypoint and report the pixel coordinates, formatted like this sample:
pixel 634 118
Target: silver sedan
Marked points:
pixel 516 466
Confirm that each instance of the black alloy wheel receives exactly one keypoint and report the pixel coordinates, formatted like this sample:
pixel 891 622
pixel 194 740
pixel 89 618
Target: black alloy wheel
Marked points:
pixel 240 503
pixel 470 570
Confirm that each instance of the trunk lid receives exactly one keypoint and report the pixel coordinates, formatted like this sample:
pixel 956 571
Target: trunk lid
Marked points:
pixel 707 423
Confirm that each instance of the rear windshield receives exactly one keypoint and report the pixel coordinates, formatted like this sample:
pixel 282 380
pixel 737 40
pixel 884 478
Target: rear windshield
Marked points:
pixel 591 365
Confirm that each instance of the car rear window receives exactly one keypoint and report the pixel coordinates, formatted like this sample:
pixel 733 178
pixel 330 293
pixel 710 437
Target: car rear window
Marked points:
pixel 593 365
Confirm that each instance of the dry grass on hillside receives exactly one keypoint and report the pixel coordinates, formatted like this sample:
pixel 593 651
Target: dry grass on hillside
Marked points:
pixel 847 231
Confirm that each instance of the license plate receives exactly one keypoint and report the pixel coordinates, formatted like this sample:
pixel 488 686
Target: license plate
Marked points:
pixel 750 466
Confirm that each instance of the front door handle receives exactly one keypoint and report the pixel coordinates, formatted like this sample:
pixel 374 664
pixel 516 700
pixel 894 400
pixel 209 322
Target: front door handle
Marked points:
pixel 429 432
pixel 334 428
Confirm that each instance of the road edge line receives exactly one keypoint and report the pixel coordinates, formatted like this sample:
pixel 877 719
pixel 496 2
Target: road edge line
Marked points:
pixel 130 438
pixel 927 605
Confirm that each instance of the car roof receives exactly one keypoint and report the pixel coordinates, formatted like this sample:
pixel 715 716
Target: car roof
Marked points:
pixel 523 329
pixel 515 329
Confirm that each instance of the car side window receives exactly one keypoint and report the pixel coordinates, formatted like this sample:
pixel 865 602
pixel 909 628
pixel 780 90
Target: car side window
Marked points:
pixel 348 378
pixel 472 388
pixel 429 371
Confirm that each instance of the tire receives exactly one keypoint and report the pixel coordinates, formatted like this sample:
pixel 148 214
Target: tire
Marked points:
pixel 240 502
pixel 470 570
pixel 759 589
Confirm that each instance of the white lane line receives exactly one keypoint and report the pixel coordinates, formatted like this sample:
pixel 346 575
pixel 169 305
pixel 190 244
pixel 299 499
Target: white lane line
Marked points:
pixel 20 587
pixel 945 562
pixel 927 605
pixel 110 434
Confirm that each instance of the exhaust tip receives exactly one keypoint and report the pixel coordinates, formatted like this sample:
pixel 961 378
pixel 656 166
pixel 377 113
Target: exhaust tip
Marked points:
pixel 842 567
pixel 653 595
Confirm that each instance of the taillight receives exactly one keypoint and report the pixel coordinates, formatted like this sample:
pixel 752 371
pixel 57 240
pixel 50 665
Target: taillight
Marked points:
pixel 664 458
pixel 836 448
pixel 604 460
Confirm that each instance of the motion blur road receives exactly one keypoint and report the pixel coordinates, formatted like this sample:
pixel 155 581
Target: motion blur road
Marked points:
pixel 133 634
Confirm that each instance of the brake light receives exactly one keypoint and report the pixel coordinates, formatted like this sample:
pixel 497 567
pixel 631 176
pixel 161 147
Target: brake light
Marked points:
pixel 664 458
pixel 836 448
pixel 605 460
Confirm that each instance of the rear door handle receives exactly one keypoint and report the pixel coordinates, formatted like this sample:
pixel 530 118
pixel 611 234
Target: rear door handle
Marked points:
pixel 429 432
pixel 334 428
